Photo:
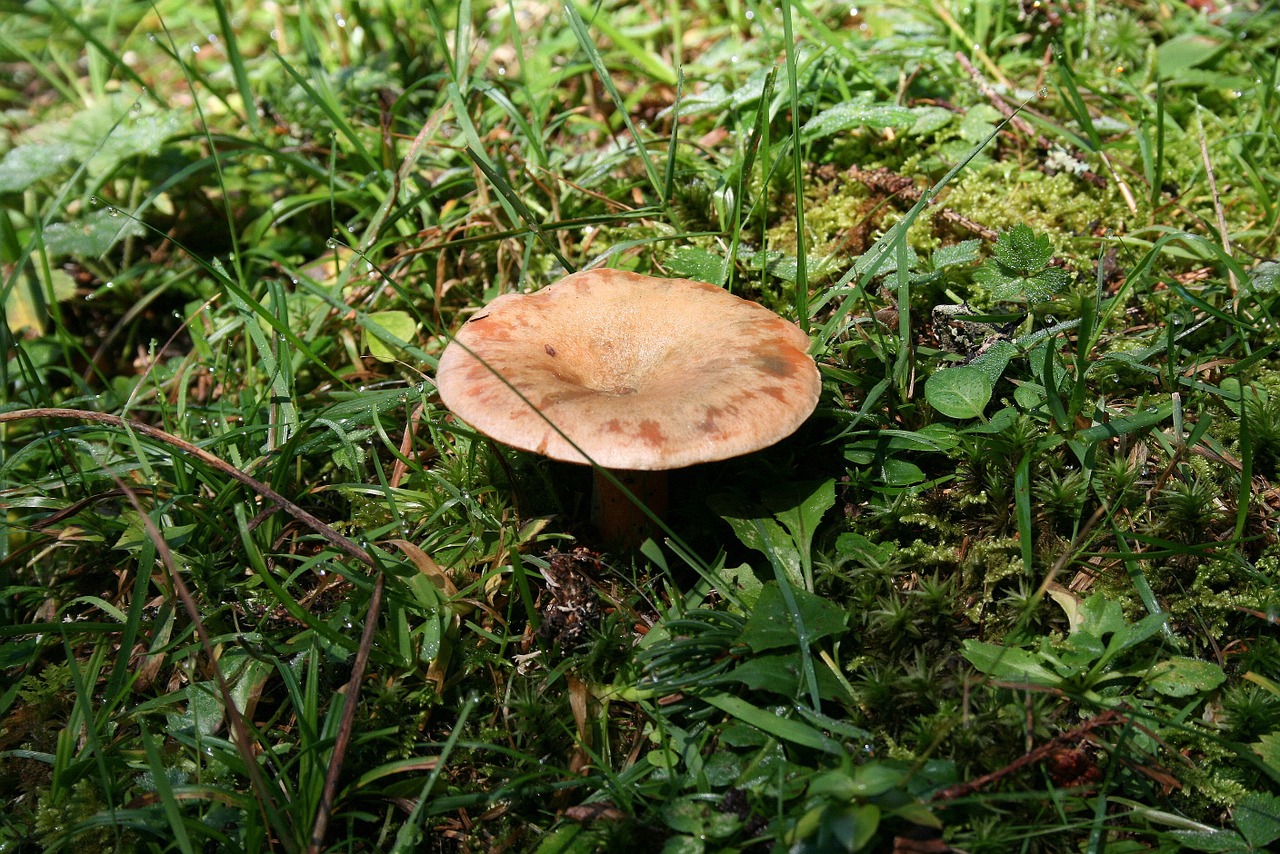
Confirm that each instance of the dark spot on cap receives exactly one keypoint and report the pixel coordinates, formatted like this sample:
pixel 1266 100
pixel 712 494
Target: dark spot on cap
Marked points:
pixel 493 330
pixel 775 365
pixel 650 433
pixel 551 351
pixel 776 392
pixel 708 424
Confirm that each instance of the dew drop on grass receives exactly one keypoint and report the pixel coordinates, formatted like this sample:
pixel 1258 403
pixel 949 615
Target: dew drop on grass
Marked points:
pixel 195 48
pixel 1043 93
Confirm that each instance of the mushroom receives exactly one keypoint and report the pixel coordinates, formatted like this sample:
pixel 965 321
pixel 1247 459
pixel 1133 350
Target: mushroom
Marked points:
pixel 635 374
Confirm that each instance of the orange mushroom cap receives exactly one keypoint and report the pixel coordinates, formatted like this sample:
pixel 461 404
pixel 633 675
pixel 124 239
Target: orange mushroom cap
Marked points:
pixel 639 372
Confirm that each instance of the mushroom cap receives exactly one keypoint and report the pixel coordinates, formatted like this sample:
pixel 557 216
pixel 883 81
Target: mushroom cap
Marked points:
pixel 639 372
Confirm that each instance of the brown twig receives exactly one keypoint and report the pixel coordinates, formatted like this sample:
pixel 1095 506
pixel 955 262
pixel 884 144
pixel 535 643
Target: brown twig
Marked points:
pixel 340 744
pixel 1110 717
pixel 996 100
pixel 901 187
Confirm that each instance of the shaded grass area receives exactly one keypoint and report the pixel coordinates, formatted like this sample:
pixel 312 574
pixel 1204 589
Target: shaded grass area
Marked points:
pixel 1011 588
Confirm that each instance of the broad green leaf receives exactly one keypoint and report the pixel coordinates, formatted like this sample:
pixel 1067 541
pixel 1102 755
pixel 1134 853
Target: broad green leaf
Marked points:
pixel 961 392
pixel 856 545
pixel 896 472
pixel 1148 627
pixel 770 625
pixel 27 164
pixel 398 324
pixel 1265 277
pixel 918 813
pixel 1268 749
pixel 876 778
pixel 1030 396
pixel 762 534
pixel 1008 286
pixel 800 507
pixel 952 254
pixel 1186 51
pixel 1008 664
pixel 682 844
pixel 1003 285
pixel 742 579
pixel 696 816
pixel 782 675
pixel 1102 616
pixel 1183 677
pixel 1258 819
pixel 781 524
pixel 22 308
pixel 1045 285
pixel 995 359
pixel 1233 394
pixel 768 721
pixel 843 117
pixel 92 236
pixel 1211 841
pixel 109 132
pixel 130 139
pixel 695 263
pixel 1022 250
pixel 930 120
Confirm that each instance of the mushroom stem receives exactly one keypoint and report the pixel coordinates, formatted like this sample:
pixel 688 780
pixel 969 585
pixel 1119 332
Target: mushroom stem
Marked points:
pixel 620 522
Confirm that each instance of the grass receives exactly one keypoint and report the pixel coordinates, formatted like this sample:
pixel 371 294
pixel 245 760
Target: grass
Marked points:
pixel 1011 588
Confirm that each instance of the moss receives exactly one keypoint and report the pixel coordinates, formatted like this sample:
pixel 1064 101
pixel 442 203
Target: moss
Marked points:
pixel 936 554
pixel 831 209
pixel 1003 195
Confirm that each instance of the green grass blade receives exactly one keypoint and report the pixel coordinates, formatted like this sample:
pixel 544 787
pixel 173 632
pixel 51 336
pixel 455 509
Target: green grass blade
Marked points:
pixel 231 43
pixel 164 790
pixel 581 33
pixel 801 295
